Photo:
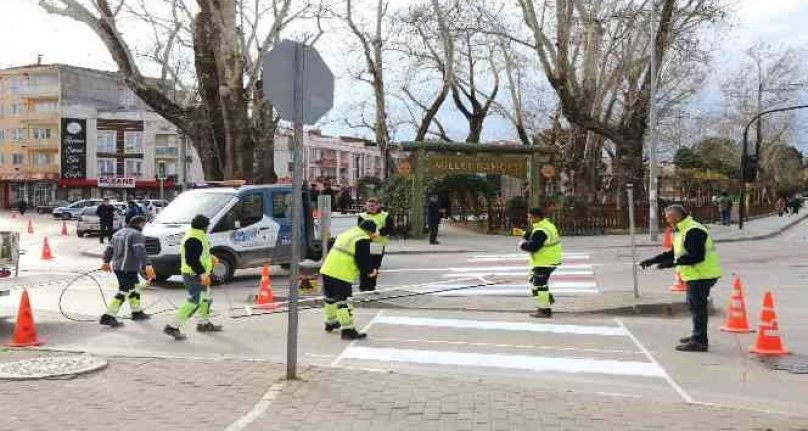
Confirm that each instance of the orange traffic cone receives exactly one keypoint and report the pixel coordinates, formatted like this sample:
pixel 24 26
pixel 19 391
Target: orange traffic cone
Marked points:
pixel 678 284
pixel 24 330
pixel 30 226
pixel 768 341
pixel 46 251
pixel 64 229
pixel 736 311
pixel 265 298
pixel 667 240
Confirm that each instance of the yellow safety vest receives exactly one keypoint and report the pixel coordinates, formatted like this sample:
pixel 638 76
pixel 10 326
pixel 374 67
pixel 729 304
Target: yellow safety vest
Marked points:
pixel 550 253
pixel 206 258
pixel 380 219
pixel 707 269
pixel 340 263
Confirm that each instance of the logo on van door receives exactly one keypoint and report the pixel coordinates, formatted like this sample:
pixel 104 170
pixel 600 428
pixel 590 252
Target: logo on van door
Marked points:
pixel 261 234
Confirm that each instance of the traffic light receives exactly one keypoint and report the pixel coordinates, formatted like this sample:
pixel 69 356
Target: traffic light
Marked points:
pixel 749 168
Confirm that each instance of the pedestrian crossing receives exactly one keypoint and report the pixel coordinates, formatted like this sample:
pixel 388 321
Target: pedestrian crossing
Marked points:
pixel 591 353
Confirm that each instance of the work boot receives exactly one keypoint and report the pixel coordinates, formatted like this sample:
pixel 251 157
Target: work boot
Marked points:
pixel 542 313
pixel 331 326
pixel 208 327
pixel 692 346
pixel 140 315
pixel 110 321
pixel 174 332
pixel 685 340
pixel 353 334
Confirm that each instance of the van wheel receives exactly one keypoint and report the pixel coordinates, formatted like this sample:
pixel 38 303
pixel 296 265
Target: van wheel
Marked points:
pixel 286 266
pixel 158 277
pixel 223 272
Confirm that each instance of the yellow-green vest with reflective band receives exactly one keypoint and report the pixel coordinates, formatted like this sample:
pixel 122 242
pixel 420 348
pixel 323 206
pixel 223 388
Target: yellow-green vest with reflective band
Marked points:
pixel 708 268
pixel 340 263
pixel 550 253
pixel 205 259
pixel 380 219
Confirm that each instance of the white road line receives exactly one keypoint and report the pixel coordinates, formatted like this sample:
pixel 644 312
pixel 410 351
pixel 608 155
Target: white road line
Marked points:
pixel 522 274
pixel 515 292
pixel 518 362
pixel 573 254
pixel 665 375
pixel 513 346
pixel 523 268
pixel 365 329
pixel 258 409
pixel 496 325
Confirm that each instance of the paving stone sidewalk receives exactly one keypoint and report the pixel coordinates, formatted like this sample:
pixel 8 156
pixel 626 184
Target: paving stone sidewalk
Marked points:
pixel 170 394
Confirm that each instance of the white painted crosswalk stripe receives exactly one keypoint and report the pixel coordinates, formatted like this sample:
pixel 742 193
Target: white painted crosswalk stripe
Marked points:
pixel 523 268
pixel 518 362
pixel 495 325
pixel 524 291
pixel 516 274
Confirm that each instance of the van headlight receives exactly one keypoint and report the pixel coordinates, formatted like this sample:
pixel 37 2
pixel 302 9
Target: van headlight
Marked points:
pixel 175 239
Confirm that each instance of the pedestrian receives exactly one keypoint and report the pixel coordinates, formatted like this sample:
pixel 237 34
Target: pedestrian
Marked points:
pixel 345 200
pixel 384 224
pixel 22 206
pixel 348 258
pixel 725 208
pixel 106 219
pixel 696 260
pixel 313 194
pixel 126 256
pixel 133 210
pixel 196 267
pixel 794 205
pixel 543 243
pixel 433 218
pixel 781 206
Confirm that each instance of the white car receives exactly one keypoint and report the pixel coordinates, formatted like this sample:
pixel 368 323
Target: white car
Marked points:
pixel 89 223
pixel 75 209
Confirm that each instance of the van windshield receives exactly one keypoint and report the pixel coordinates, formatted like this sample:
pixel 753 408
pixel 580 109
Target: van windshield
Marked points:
pixel 187 205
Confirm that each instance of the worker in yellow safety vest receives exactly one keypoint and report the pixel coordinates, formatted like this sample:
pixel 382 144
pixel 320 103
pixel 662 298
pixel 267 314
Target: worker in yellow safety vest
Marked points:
pixel 385 227
pixel 347 260
pixel 695 258
pixel 543 243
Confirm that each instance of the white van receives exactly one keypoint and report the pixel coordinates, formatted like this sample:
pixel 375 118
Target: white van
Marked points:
pixel 249 226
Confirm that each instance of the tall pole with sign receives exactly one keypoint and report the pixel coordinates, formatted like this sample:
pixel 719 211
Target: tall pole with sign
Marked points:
pixel 161 176
pixel 301 87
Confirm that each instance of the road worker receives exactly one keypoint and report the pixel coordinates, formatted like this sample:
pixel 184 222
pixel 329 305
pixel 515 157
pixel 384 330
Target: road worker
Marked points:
pixel 196 266
pixel 347 260
pixel 384 224
pixel 543 243
pixel 695 258
pixel 126 256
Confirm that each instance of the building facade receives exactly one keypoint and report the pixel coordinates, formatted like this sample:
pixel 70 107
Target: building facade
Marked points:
pixel 68 133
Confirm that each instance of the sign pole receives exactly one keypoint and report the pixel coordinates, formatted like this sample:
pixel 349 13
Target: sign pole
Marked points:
pixel 162 191
pixel 630 192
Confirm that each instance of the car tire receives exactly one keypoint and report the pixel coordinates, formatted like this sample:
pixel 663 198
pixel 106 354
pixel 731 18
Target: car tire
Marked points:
pixel 160 277
pixel 66 216
pixel 224 271
pixel 80 233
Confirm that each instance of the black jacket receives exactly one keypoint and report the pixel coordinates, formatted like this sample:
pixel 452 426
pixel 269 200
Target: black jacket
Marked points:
pixel 433 213
pixel 534 240
pixel 106 213
pixel 695 244
pixel 362 256
pixel 193 251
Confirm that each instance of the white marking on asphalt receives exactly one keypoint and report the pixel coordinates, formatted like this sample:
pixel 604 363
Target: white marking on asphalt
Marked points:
pixel 573 254
pixel 258 409
pixel 618 394
pixel 365 329
pixel 665 375
pixel 559 269
pixel 519 362
pixel 523 274
pixel 502 325
pixel 524 291
pixel 513 346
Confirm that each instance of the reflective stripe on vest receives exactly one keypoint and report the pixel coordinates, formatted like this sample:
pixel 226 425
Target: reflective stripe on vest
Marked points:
pixel 340 263
pixel 205 258
pixel 550 253
pixel 380 219
pixel 707 269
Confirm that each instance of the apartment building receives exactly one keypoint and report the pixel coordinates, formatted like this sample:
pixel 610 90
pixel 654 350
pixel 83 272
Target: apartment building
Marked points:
pixel 68 133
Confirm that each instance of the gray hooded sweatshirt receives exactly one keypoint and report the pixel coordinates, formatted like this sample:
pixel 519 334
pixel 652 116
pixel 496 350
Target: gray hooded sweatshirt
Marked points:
pixel 127 251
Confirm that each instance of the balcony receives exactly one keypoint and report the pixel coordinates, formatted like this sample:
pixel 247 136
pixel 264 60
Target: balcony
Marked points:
pixel 32 116
pixel 51 144
pixel 166 152
pixel 330 163
pixel 39 91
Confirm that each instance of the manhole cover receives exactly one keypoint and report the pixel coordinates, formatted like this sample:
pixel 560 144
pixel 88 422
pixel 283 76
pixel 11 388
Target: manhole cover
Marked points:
pixel 795 364
pixel 53 366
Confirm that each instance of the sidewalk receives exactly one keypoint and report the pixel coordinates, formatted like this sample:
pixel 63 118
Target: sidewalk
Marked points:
pixel 167 394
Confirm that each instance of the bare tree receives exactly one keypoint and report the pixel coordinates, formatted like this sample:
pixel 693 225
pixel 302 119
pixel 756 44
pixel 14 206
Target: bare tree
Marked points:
pixel 221 109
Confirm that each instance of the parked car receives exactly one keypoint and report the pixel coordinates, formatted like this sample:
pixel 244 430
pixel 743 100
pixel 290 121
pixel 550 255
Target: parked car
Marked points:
pixel 75 209
pixel 153 206
pixel 89 222
pixel 50 206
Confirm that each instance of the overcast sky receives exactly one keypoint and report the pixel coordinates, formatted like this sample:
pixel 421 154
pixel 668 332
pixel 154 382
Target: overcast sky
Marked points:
pixel 26 30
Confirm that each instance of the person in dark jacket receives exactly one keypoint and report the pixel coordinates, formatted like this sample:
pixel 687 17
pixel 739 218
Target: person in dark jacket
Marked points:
pixel 384 223
pixel 22 206
pixel 126 256
pixel 106 219
pixel 433 217
pixel 133 210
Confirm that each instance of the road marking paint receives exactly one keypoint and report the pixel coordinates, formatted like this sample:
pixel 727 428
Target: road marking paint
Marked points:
pixel 523 292
pixel 523 274
pixel 258 409
pixel 514 346
pixel 574 254
pixel 618 394
pixel 665 375
pixel 365 329
pixel 518 362
pixel 502 325
pixel 523 268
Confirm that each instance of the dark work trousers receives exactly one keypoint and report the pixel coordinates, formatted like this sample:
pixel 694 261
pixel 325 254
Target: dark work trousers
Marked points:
pixel 433 233
pixel 367 283
pixel 698 291
pixel 106 231
pixel 725 217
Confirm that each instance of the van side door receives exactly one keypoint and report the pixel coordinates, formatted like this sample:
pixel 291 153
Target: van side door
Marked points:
pixel 280 210
pixel 246 230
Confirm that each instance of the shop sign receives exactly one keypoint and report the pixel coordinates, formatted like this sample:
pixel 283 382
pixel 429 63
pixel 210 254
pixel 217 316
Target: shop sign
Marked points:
pixel 116 183
pixel 477 164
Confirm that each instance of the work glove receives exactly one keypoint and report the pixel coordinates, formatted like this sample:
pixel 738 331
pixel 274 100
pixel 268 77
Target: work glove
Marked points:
pixel 106 267
pixel 215 260
pixel 205 280
pixel 665 265
pixel 149 272
pixel 646 263
pixel 374 273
